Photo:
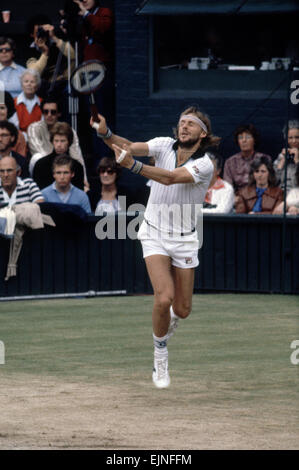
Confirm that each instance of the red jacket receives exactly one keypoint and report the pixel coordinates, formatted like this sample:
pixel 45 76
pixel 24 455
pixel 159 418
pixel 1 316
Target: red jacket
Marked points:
pixel 26 118
pixel 97 36
pixel 246 198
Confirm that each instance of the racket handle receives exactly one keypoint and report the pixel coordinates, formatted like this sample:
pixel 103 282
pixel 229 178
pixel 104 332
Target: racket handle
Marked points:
pixel 94 112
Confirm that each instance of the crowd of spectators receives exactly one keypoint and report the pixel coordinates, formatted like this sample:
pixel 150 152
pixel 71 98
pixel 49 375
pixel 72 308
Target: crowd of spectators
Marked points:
pixel 40 150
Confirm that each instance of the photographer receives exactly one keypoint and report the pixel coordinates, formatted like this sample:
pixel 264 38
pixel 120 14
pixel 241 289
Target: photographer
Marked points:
pixel 49 55
pixel 292 156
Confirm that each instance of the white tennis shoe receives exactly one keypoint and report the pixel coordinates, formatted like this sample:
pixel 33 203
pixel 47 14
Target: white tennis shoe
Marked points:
pixel 161 377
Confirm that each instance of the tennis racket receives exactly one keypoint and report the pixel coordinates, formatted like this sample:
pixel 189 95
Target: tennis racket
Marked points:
pixel 86 79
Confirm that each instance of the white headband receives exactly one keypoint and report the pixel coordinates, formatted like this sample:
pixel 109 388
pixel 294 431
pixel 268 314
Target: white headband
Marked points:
pixel 191 117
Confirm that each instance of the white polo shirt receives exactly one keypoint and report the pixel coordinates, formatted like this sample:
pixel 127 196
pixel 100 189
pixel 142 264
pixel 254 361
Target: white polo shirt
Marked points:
pixel 173 208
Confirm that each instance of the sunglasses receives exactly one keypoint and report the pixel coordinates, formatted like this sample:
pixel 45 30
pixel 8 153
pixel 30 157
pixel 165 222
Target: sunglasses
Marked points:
pixel 53 112
pixel 5 49
pixel 106 170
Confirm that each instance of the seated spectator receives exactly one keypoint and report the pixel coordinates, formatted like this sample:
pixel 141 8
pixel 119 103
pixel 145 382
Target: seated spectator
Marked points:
pixel 293 156
pixel 61 136
pixel 292 200
pixel 8 113
pixel 10 72
pixel 49 55
pixel 8 139
pixel 27 103
pixel 237 167
pixel 13 189
pixel 104 193
pixel 220 196
pixel 61 190
pixel 39 136
pixel 260 196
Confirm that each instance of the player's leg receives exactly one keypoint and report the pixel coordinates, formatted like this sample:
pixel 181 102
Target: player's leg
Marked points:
pixel 160 273
pixel 182 302
pixel 183 291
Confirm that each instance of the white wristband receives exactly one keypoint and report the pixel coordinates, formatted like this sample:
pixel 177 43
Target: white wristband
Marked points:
pixel 122 156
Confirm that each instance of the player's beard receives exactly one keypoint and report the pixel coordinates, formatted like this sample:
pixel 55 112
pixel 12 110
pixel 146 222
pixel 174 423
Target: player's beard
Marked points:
pixel 189 144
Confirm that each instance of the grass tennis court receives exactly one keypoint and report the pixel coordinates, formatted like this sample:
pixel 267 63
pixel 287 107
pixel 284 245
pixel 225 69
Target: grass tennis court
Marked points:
pixel 77 375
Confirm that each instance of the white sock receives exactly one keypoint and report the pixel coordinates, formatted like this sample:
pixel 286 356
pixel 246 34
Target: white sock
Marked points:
pixel 160 345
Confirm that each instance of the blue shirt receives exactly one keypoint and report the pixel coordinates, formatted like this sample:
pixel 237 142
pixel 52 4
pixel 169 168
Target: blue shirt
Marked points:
pixel 10 76
pixel 73 196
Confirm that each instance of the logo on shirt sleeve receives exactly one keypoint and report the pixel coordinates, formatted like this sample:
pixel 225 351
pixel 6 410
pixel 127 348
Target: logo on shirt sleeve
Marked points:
pixel 196 170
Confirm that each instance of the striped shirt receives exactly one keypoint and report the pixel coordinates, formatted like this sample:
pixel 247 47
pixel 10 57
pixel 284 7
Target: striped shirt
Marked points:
pixel 26 191
pixel 172 208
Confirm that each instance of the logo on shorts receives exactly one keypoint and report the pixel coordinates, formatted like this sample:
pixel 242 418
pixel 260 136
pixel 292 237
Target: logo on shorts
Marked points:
pixel 188 260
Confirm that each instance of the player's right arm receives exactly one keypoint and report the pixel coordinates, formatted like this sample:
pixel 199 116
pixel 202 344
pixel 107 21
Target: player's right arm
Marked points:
pixel 139 149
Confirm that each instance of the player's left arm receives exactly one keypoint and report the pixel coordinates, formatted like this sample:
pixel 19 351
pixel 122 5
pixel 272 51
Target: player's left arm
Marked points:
pixel 166 177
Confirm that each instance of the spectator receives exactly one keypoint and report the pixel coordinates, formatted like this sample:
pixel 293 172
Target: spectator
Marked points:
pixel 61 136
pixel 28 103
pixel 13 189
pixel 39 136
pixel 97 42
pixel 49 54
pixel 260 196
pixel 8 113
pixel 293 156
pixel 220 195
pixel 8 139
pixel 104 193
pixel 292 200
pixel 97 23
pixel 61 190
pixel 10 72
pixel 237 167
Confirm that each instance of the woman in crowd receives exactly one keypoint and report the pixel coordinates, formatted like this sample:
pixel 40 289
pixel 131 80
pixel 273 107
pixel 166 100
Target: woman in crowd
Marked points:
pixel 261 195
pixel 104 196
pixel 220 195
pixel 28 103
pixel 292 159
pixel 8 113
pixel 292 201
pixel 237 167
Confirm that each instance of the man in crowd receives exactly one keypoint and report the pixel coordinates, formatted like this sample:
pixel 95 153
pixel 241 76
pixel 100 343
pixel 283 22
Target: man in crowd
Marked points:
pixel 8 139
pixel 39 140
pixel 49 54
pixel 61 136
pixel 13 189
pixel 61 190
pixel 10 72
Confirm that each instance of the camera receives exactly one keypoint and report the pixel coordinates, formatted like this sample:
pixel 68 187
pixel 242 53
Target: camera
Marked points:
pixel 42 34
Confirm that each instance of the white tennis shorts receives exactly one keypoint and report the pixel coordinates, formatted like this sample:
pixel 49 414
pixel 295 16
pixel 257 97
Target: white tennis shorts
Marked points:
pixel 183 252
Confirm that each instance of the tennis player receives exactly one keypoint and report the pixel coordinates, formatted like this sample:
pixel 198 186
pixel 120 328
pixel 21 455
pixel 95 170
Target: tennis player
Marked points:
pixel 180 180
